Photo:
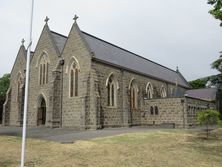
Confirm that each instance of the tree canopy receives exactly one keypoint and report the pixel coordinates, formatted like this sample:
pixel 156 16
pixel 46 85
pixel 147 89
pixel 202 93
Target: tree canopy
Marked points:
pixel 4 84
pixel 198 83
pixel 217 64
pixel 216 11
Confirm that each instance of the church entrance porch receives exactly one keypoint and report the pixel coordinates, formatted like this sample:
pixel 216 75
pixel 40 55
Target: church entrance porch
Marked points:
pixel 41 115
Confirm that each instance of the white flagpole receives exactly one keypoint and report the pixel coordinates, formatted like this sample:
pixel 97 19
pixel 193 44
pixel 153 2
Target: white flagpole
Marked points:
pixel 26 89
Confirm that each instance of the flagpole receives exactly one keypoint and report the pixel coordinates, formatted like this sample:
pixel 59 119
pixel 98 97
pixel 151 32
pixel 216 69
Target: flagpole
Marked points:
pixel 26 89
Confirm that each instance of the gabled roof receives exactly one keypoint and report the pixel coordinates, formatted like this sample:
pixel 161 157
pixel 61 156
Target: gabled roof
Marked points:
pixel 115 55
pixel 59 40
pixel 112 54
pixel 208 94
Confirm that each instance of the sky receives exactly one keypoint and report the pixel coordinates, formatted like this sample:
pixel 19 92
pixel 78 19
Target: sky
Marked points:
pixel 170 32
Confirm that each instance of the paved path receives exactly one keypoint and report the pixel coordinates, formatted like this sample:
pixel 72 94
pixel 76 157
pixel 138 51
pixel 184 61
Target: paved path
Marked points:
pixel 65 135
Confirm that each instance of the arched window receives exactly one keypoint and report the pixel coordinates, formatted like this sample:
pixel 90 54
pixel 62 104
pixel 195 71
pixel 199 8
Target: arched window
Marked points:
pixel 133 95
pixel 156 110
pixel 43 70
pixel 19 87
pixel 112 86
pixel 163 92
pixel 73 80
pixel 151 110
pixel 149 91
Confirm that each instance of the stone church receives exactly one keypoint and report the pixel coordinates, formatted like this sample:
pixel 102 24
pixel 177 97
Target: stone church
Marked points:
pixel 83 82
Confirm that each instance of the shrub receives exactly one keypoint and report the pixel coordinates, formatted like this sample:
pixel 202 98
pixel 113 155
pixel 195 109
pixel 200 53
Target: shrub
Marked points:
pixel 208 117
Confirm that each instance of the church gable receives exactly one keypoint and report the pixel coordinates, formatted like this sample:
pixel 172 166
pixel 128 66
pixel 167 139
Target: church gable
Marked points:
pixel 17 80
pixel 45 58
pixel 19 64
pixel 76 73
pixel 46 43
pixel 76 51
pixel 76 46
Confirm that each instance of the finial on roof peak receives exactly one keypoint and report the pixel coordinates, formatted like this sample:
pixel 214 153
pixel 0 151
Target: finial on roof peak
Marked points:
pixel 46 19
pixel 75 18
pixel 177 70
pixel 23 41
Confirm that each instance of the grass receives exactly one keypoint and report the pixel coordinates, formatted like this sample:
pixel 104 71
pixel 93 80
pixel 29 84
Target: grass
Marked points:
pixel 163 148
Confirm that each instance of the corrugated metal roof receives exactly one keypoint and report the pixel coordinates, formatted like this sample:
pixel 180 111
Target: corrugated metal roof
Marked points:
pixel 59 40
pixel 208 94
pixel 115 55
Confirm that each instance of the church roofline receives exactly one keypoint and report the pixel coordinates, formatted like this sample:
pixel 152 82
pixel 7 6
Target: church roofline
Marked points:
pixel 128 51
pixel 137 72
pixel 118 48
pixel 59 34
pixel 184 84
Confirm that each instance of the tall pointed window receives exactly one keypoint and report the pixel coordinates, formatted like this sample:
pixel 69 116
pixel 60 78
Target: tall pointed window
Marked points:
pixel 43 70
pixel 19 87
pixel 163 92
pixel 73 80
pixel 149 91
pixel 133 95
pixel 112 87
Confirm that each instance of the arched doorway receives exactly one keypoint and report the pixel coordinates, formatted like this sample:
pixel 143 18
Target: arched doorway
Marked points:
pixel 41 116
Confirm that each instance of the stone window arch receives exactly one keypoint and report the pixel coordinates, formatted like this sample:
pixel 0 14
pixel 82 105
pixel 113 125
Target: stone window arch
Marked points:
pixel 133 94
pixel 73 77
pixel 112 87
pixel 43 69
pixel 20 84
pixel 149 90
pixel 163 93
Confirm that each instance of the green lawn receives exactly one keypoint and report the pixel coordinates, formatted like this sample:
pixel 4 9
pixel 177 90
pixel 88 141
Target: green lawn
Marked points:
pixel 163 148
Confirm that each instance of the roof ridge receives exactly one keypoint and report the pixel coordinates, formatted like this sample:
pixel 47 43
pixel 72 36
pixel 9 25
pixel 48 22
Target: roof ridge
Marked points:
pixel 129 51
pixel 58 34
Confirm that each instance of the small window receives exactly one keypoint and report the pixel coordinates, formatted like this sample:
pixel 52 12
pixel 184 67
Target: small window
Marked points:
pixel 112 91
pixel 149 91
pixel 134 95
pixel 151 110
pixel 73 80
pixel 163 92
pixel 156 110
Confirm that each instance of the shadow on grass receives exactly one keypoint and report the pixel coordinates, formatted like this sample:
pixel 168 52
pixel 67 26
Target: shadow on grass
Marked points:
pixel 210 146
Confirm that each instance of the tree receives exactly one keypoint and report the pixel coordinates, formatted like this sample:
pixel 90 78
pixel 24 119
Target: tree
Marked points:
pixel 216 11
pixel 208 117
pixel 4 85
pixel 199 83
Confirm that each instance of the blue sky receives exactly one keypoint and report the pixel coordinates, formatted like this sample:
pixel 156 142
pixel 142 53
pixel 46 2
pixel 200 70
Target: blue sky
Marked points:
pixel 172 33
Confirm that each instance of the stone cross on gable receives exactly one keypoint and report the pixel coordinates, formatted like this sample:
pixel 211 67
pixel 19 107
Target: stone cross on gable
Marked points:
pixel 46 20
pixel 23 41
pixel 75 18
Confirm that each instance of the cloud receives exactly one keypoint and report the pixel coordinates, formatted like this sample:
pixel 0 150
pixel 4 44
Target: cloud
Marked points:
pixel 173 33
